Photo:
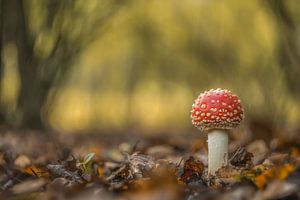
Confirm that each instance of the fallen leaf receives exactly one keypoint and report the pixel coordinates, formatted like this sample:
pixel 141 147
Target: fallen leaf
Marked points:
pixel 36 171
pixel 241 158
pixel 261 176
pixel 22 161
pixel 227 172
pixel 259 150
pixel 28 186
pixel 192 170
pixel 60 171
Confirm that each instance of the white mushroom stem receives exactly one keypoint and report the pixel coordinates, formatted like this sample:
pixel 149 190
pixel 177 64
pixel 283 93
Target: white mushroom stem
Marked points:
pixel 217 150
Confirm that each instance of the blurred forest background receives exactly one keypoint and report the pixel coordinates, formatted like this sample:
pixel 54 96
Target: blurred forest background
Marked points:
pixel 121 65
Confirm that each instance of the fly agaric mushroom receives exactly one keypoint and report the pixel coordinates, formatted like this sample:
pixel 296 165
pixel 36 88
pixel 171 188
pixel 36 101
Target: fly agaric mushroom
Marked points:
pixel 215 112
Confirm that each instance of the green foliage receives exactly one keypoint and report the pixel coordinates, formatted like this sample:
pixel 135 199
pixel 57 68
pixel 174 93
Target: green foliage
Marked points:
pixel 86 163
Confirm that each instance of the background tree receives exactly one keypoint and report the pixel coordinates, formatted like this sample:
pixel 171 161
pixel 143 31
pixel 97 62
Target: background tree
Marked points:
pixel 156 56
pixel 287 19
pixel 48 36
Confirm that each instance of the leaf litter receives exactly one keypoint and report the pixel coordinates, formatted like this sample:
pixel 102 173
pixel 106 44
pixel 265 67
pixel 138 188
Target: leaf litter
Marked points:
pixel 149 169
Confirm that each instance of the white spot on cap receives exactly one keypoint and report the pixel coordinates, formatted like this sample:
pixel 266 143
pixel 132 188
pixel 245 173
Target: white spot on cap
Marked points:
pixel 213 109
pixel 203 106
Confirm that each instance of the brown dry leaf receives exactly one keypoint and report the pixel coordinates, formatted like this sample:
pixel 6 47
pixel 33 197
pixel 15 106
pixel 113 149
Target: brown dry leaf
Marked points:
pixel 124 173
pixel 241 158
pixel 140 164
pixel 294 152
pixel 100 171
pixel 70 164
pixel 277 159
pixel 22 161
pixel 136 165
pixel 36 171
pixel 227 172
pixel 192 170
pixel 28 186
pixel 259 149
pixel 2 161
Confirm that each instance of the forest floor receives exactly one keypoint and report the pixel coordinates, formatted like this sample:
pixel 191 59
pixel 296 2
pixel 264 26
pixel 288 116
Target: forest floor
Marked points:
pixel 37 165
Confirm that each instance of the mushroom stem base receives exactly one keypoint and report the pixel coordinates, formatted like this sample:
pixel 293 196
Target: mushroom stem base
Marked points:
pixel 217 150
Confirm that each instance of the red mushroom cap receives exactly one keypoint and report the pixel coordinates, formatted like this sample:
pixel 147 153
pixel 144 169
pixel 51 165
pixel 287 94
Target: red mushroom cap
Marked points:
pixel 217 109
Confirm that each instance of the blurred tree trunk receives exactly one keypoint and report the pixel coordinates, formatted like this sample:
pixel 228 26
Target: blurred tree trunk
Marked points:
pixel 35 85
pixel 40 76
pixel 1 63
pixel 32 91
pixel 289 48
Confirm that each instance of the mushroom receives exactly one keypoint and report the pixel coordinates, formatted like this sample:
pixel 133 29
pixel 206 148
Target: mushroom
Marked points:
pixel 216 112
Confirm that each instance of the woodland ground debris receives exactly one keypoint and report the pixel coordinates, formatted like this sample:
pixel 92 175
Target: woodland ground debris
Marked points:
pixel 151 169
